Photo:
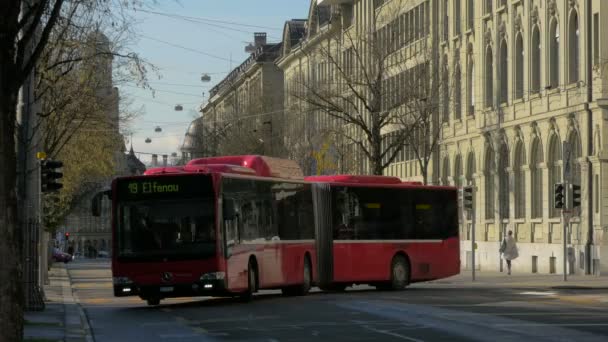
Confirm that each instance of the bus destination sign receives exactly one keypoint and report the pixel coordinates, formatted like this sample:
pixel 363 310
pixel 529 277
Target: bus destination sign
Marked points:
pixel 163 187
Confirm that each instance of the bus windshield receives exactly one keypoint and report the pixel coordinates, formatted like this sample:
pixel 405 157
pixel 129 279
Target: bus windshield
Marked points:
pixel 166 229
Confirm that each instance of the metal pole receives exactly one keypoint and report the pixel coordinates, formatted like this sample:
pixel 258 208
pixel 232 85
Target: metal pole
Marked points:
pixel 473 243
pixel 565 224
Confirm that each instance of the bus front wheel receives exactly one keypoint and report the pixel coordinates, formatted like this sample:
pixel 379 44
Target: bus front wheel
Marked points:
pixel 400 273
pixel 153 301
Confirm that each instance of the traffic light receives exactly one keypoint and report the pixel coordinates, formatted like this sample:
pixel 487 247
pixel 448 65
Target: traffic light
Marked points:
pixel 67 236
pixel 559 195
pixel 576 195
pixel 49 175
pixel 467 197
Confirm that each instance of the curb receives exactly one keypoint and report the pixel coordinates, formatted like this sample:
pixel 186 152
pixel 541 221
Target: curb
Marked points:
pixel 84 320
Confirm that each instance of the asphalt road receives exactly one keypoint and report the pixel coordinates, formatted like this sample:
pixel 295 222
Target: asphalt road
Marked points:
pixel 423 312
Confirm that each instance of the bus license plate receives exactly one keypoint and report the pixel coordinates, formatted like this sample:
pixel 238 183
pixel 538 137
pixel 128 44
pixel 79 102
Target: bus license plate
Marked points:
pixel 166 289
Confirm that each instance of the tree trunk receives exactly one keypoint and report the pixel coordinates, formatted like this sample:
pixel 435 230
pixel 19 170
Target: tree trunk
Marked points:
pixel 11 286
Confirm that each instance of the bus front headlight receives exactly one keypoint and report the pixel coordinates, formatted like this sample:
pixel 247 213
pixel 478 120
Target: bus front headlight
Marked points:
pixel 213 276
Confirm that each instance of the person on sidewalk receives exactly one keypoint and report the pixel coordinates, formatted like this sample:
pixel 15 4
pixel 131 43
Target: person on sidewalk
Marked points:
pixel 509 251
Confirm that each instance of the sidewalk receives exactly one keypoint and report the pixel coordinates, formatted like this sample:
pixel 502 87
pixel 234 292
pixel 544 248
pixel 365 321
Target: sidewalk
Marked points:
pixel 496 279
pixel 63 319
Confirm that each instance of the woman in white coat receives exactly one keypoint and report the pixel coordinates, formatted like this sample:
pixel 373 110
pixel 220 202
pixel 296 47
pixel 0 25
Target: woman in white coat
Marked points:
pixel 509 250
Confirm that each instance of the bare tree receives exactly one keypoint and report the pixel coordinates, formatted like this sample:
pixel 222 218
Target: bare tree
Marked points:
pixel 354 85
pixel 26 27
pixel 380 79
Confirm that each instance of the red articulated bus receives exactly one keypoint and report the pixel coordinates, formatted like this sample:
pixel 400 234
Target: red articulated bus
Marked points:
pixel 229 226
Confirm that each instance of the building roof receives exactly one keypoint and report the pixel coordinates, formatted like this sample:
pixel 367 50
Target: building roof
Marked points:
pixel 134 165
pixel 264 53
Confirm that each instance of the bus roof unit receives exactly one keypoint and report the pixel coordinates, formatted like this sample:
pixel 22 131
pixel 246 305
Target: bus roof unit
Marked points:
pixel 358 179
pixel 263 166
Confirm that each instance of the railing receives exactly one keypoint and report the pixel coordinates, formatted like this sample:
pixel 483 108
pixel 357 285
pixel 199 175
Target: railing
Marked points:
pixel 34 298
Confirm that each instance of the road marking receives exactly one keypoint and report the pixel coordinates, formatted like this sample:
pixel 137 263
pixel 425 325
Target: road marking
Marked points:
pixel 525 324
pixel 389 333
pixel 537 293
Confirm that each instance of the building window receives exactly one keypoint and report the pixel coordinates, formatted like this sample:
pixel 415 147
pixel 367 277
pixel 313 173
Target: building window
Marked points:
pixel 519 66
pixel 470 181
pixel 458 171
pixel 445 174
pixel 536 158
pixel 446 21
pixel 457 15
pixel 445 97
pixel 490 172
pixel 489 79
pixel 554 54
pixel 596 38
pixel 470 14
pixel 503 182
pixel 536 67
pixel 555 172
pixel 488 6
pixel 471 87
pixel 575 153
pixel 457 93
pixel 504 72
pixel 519 188
pixel 574 48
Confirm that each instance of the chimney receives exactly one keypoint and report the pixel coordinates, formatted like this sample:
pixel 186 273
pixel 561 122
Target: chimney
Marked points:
pixel 154 160
pixel 259 39
pixel 164 160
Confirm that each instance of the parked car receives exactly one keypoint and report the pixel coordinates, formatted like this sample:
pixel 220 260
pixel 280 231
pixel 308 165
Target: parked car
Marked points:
pixel 62 257
pixel 103 254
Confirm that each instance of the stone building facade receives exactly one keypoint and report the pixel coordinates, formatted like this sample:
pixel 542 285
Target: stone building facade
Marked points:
pixel 246 106
pixel 526 76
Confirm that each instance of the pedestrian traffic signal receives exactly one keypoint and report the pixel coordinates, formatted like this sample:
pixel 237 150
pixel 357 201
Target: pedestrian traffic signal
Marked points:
pixel 49 175
pixel 467 197
pixel 559 195
pixel 576 195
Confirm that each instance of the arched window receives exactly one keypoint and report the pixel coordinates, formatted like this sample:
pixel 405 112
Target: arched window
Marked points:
pixel 470 181
pixel 535 68
pixel 536 159
pixel 470 14
pixel 554 62
pixel 445 174
pixel 457 93
pixel 519 177
pixel 489 78
pixel 458 171
pixel 445 96
pixel 504 72
pixel 503 181
pixel 519 66
pixel 574 48
pixel 490 173
pixel 575 153
pixel 471 84
pixel 555 171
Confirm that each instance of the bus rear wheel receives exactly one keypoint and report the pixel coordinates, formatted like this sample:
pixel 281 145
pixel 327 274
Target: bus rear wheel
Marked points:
pixel 400 273
pixel 252 281
pixel 302 289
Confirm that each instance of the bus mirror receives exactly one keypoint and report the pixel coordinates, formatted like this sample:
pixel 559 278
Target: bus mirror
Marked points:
pixel 96 202
pixel 228 210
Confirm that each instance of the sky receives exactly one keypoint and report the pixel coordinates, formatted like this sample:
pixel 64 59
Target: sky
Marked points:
pixel 185 39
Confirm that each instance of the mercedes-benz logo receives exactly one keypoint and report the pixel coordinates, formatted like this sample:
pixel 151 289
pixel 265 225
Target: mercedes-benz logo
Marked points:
pixel 167 276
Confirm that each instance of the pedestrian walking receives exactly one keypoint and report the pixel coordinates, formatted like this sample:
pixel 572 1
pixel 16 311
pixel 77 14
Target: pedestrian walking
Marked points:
pixel 509 251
